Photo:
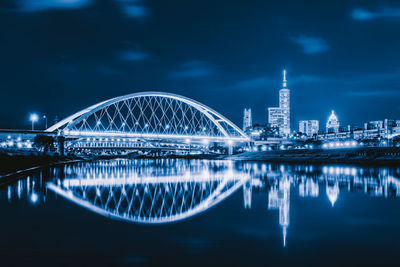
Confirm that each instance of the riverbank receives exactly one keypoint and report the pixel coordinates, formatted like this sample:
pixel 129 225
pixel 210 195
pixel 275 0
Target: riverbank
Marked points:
pixel 365 156
pixel 18 162
pixel 15 163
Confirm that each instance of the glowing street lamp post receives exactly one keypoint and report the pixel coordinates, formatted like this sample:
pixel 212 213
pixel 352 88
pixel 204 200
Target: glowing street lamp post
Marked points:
pixel 45 118
pixel 33 118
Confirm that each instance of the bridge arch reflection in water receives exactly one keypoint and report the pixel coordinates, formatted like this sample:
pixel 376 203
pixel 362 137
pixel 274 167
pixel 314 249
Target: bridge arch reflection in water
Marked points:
pixel 191 187
pixel 151 193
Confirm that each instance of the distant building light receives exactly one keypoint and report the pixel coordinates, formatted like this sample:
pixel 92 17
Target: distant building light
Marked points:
pixel 34 198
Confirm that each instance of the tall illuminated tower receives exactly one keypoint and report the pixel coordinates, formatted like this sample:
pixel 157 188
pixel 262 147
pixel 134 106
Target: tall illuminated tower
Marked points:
pixel 280 117
pixel 284 104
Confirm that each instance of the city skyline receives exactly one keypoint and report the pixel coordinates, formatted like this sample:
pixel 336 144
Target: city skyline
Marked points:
pixel 340 62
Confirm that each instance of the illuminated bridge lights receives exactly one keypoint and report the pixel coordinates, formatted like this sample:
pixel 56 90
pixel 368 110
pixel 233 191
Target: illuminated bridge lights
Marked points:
pixel 151 116
pixel 335 145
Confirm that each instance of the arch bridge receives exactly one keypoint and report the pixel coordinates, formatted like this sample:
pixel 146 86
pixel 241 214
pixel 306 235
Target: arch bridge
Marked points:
pixel 148 120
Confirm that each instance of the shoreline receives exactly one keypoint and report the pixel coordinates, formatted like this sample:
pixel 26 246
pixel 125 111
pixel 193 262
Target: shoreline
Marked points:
pixel 371 156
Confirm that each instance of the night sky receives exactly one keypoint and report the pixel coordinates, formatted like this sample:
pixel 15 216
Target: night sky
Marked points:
pixel 60 56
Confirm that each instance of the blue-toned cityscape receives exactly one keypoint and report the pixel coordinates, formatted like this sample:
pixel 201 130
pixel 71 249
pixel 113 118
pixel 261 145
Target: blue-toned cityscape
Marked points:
pixel 199 133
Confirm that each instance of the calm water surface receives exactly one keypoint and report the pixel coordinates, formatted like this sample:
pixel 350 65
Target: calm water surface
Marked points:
pixel 198 212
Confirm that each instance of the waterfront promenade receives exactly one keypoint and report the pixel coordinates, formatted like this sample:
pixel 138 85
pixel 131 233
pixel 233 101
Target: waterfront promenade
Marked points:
pixel 365 155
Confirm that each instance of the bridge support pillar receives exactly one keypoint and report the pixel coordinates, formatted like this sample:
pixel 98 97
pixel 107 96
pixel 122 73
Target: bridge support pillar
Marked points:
pixel 60 145
pixel 230 150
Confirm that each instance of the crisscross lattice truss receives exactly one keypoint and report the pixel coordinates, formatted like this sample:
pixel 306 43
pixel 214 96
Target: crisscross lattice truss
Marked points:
pixel 149 194
pixel 151 115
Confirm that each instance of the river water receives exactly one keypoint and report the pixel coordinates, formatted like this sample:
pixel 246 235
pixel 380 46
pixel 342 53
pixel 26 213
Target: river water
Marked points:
pixel 201 212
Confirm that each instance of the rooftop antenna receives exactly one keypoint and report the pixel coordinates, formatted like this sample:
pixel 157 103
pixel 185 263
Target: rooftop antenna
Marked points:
pixel 284 79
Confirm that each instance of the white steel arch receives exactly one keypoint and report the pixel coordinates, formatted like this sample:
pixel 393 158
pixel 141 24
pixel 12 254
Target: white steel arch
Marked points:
pixel 151 115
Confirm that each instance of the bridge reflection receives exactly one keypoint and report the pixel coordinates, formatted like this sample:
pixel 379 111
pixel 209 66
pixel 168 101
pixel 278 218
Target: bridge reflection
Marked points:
pixel 164 191
pixel 151 193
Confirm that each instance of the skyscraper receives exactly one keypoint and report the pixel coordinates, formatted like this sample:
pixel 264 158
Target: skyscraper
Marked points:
pixel 280 117
pixel 247 120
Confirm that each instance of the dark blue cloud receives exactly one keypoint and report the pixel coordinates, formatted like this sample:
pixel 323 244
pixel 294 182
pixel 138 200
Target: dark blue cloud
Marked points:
pixel 363 14
pixel 274 82
pixel 133 8
pixel 40 5
pixel 193 69
pixel 130 55
pixel 311 45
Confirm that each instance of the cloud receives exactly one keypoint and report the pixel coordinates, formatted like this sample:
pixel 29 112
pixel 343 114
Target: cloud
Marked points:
pixel 373 93
pixel 311 45
pixel 257 82
pixel 133 8
pixel 305 78
pixel 274 82
pixel 363 14
pixel 192 69
pixel 130 55
pixel 41 5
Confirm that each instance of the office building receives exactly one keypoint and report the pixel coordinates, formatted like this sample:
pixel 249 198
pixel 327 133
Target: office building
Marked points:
pixel 247 120
pixel 309 127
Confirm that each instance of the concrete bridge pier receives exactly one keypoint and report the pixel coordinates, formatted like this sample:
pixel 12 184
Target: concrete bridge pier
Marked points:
pixel 60 145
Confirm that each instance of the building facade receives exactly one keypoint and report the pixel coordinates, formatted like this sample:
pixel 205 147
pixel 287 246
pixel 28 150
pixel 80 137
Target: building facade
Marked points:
pixel 309 127
pixel 247 119
pixel 280 116
pixel 332 126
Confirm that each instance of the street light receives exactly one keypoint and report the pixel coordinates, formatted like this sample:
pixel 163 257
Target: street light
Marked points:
pixel 45 118
pixel 33 118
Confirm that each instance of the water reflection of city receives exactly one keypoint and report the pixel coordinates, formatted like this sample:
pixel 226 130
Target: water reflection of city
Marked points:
pixel 164 191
